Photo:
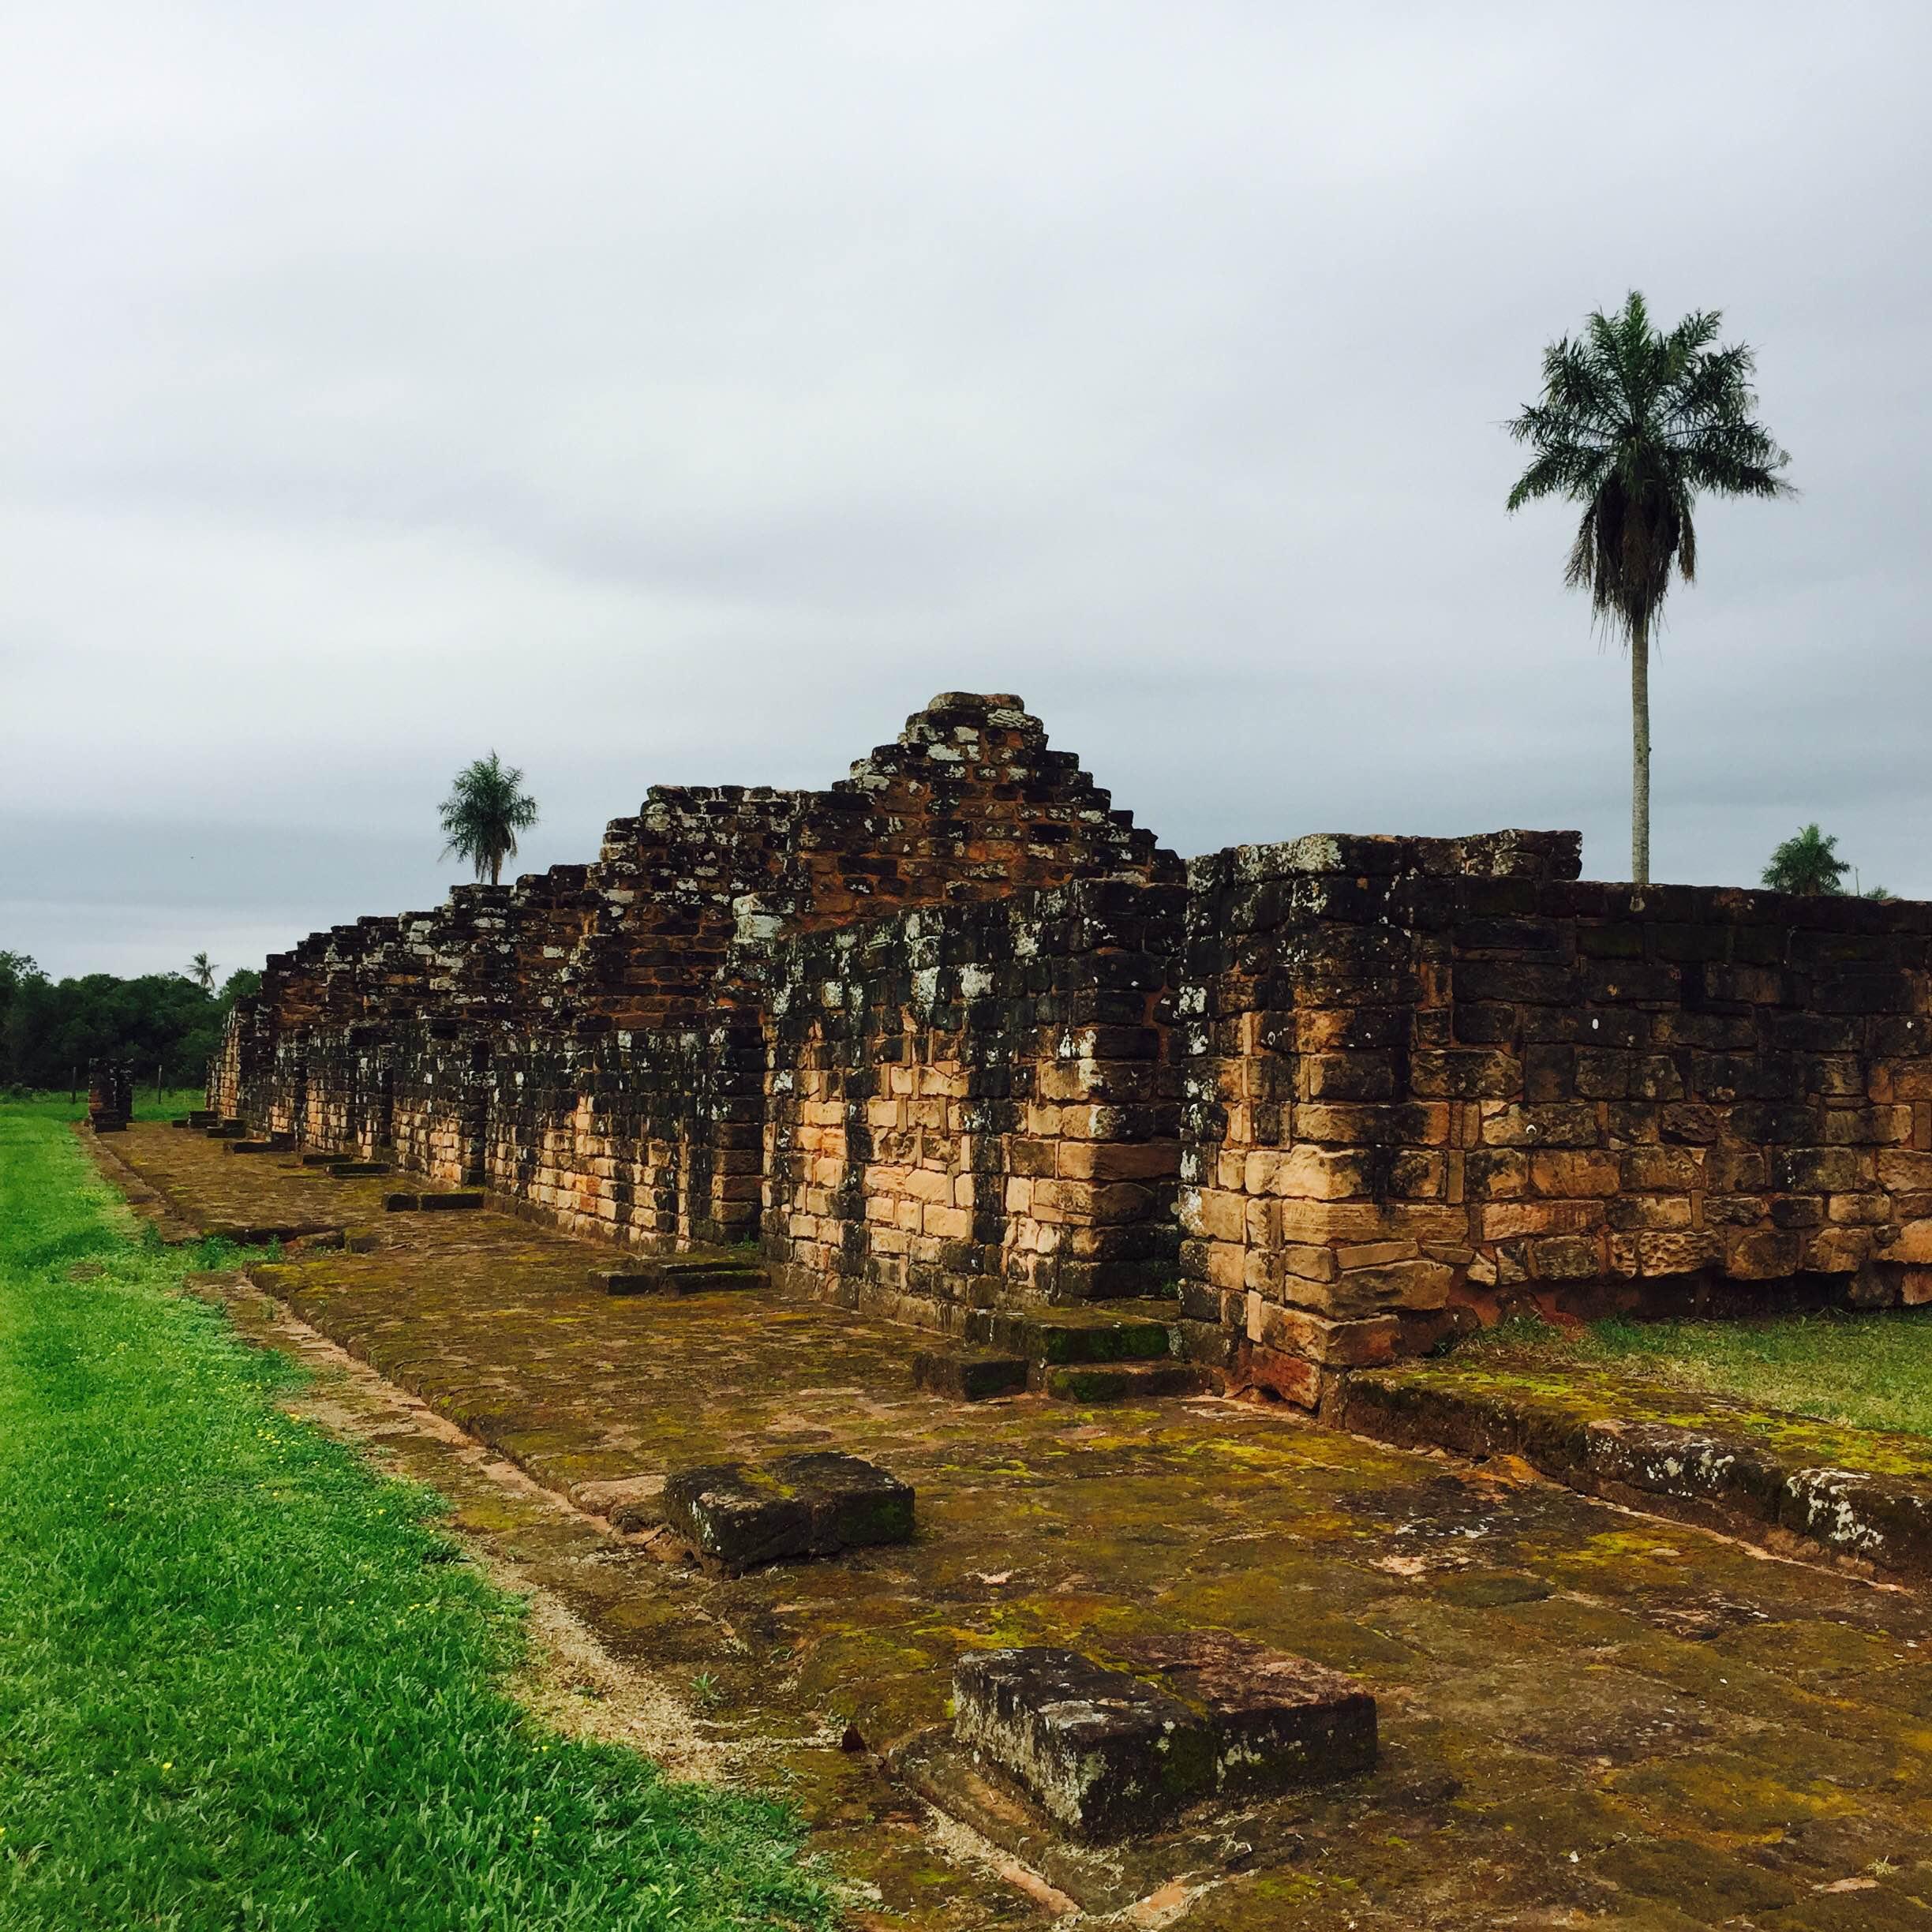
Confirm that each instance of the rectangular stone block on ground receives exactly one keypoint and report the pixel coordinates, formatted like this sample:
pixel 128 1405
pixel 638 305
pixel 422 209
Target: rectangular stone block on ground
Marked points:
pixel 1200 1714
pixel 1131 1381
pixel 1065 1335
pixel 681 1276
pixel 1278 1719
pixel 737 1517
pixel 968 1378
pixel 1102 1753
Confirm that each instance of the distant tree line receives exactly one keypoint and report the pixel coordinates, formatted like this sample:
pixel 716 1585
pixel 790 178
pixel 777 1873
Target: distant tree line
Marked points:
pixel 168 1023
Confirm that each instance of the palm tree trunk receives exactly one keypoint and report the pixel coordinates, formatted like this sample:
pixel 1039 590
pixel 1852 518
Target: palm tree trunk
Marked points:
pixel 1640 751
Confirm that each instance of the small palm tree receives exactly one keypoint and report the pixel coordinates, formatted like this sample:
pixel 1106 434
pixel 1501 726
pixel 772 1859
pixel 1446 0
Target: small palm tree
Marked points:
pixel 487 808
pixel 1633 425
pixel 1808 862
pixel 201 970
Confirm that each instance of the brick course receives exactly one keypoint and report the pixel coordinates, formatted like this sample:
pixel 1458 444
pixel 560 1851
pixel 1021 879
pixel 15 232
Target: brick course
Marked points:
pixel 955 1033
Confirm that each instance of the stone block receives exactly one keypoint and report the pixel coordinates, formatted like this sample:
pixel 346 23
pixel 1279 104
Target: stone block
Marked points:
pixel 1568 1173
pixel 969 1377
pixel 737 1517
pixel 1102 1753
pixel 1099 1382
pixel 1279 1721
pixel 1106 1753
pixel 1358 1344
pixel 1057 1338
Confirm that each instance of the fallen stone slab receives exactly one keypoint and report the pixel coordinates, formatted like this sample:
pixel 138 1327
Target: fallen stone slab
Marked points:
pixel 968 1377
pixel 253 1147
pixel 412 1204
pixel 357 1170
pixel 1107 1753
pixel 737 1517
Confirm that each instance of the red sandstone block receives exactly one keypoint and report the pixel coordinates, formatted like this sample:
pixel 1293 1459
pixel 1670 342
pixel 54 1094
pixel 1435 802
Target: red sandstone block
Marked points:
pixel 1567 1257
pixel 1335 1344
pixel 1293 1377
pixel 1569 1172
pixel 1632 1212
pixel 1111 1161
pixel 1658 1170
pixel 1760 1254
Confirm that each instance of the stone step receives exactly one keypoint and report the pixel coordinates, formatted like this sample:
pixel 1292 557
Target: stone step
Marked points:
pixel 200 1116
pixel 968 1377
pixel 1115 1382
pixel 357 1170
pixel 1106 1332
pixel 273 1144
pixel 667 1278
pixel 736 1517
pixel 1109 1752
pixel 320 1160
pixel 411 1203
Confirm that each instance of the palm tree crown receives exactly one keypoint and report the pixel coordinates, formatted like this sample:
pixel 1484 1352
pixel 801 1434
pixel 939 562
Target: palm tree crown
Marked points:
pixel 487 808
pixel 1808 862
pixel 1634 424
pixel 201 970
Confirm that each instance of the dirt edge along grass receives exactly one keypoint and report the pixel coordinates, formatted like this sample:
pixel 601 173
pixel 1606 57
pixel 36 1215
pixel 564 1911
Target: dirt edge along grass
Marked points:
pixel 246 1681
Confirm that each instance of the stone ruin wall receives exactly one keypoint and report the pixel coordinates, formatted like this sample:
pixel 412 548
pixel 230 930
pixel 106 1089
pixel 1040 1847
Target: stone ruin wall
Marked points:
pixel 1430 1081
pixel 953 1033
pixel 973 1107
pixel 587 1041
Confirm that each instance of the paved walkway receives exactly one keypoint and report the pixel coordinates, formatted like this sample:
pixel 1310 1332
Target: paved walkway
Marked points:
pixel 1588 1719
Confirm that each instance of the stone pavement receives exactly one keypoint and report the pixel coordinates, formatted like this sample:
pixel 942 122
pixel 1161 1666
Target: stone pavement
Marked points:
pixel 1589 1718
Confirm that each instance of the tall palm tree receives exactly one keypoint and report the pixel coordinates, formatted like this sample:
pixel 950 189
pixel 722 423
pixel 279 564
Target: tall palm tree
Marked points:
pixel 487 808
pixel 201 971
pixel 1808 862
pixel 1634 424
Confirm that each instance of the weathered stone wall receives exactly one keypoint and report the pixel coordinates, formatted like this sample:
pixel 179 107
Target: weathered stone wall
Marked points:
pixel 1427 1079
pixel 967 1105
pixel 573 1039
pixel 954 1033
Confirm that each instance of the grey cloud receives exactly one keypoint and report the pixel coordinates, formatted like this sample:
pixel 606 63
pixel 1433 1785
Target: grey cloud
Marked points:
pixel 675 394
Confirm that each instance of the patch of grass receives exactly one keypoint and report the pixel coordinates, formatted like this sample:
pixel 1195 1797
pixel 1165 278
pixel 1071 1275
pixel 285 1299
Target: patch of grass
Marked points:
pixel 173 1103
pixel 1870 1371
pixel 242 1682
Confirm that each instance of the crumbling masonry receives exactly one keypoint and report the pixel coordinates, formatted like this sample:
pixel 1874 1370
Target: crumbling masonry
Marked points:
pixel 955 1036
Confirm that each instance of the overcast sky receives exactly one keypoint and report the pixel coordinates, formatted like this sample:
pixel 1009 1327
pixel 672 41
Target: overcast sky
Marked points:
pixel 685 394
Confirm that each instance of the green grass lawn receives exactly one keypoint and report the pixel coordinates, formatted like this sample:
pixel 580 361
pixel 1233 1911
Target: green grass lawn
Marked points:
pixel 170 1103
pixel 1864 1371
pixel 245 1682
